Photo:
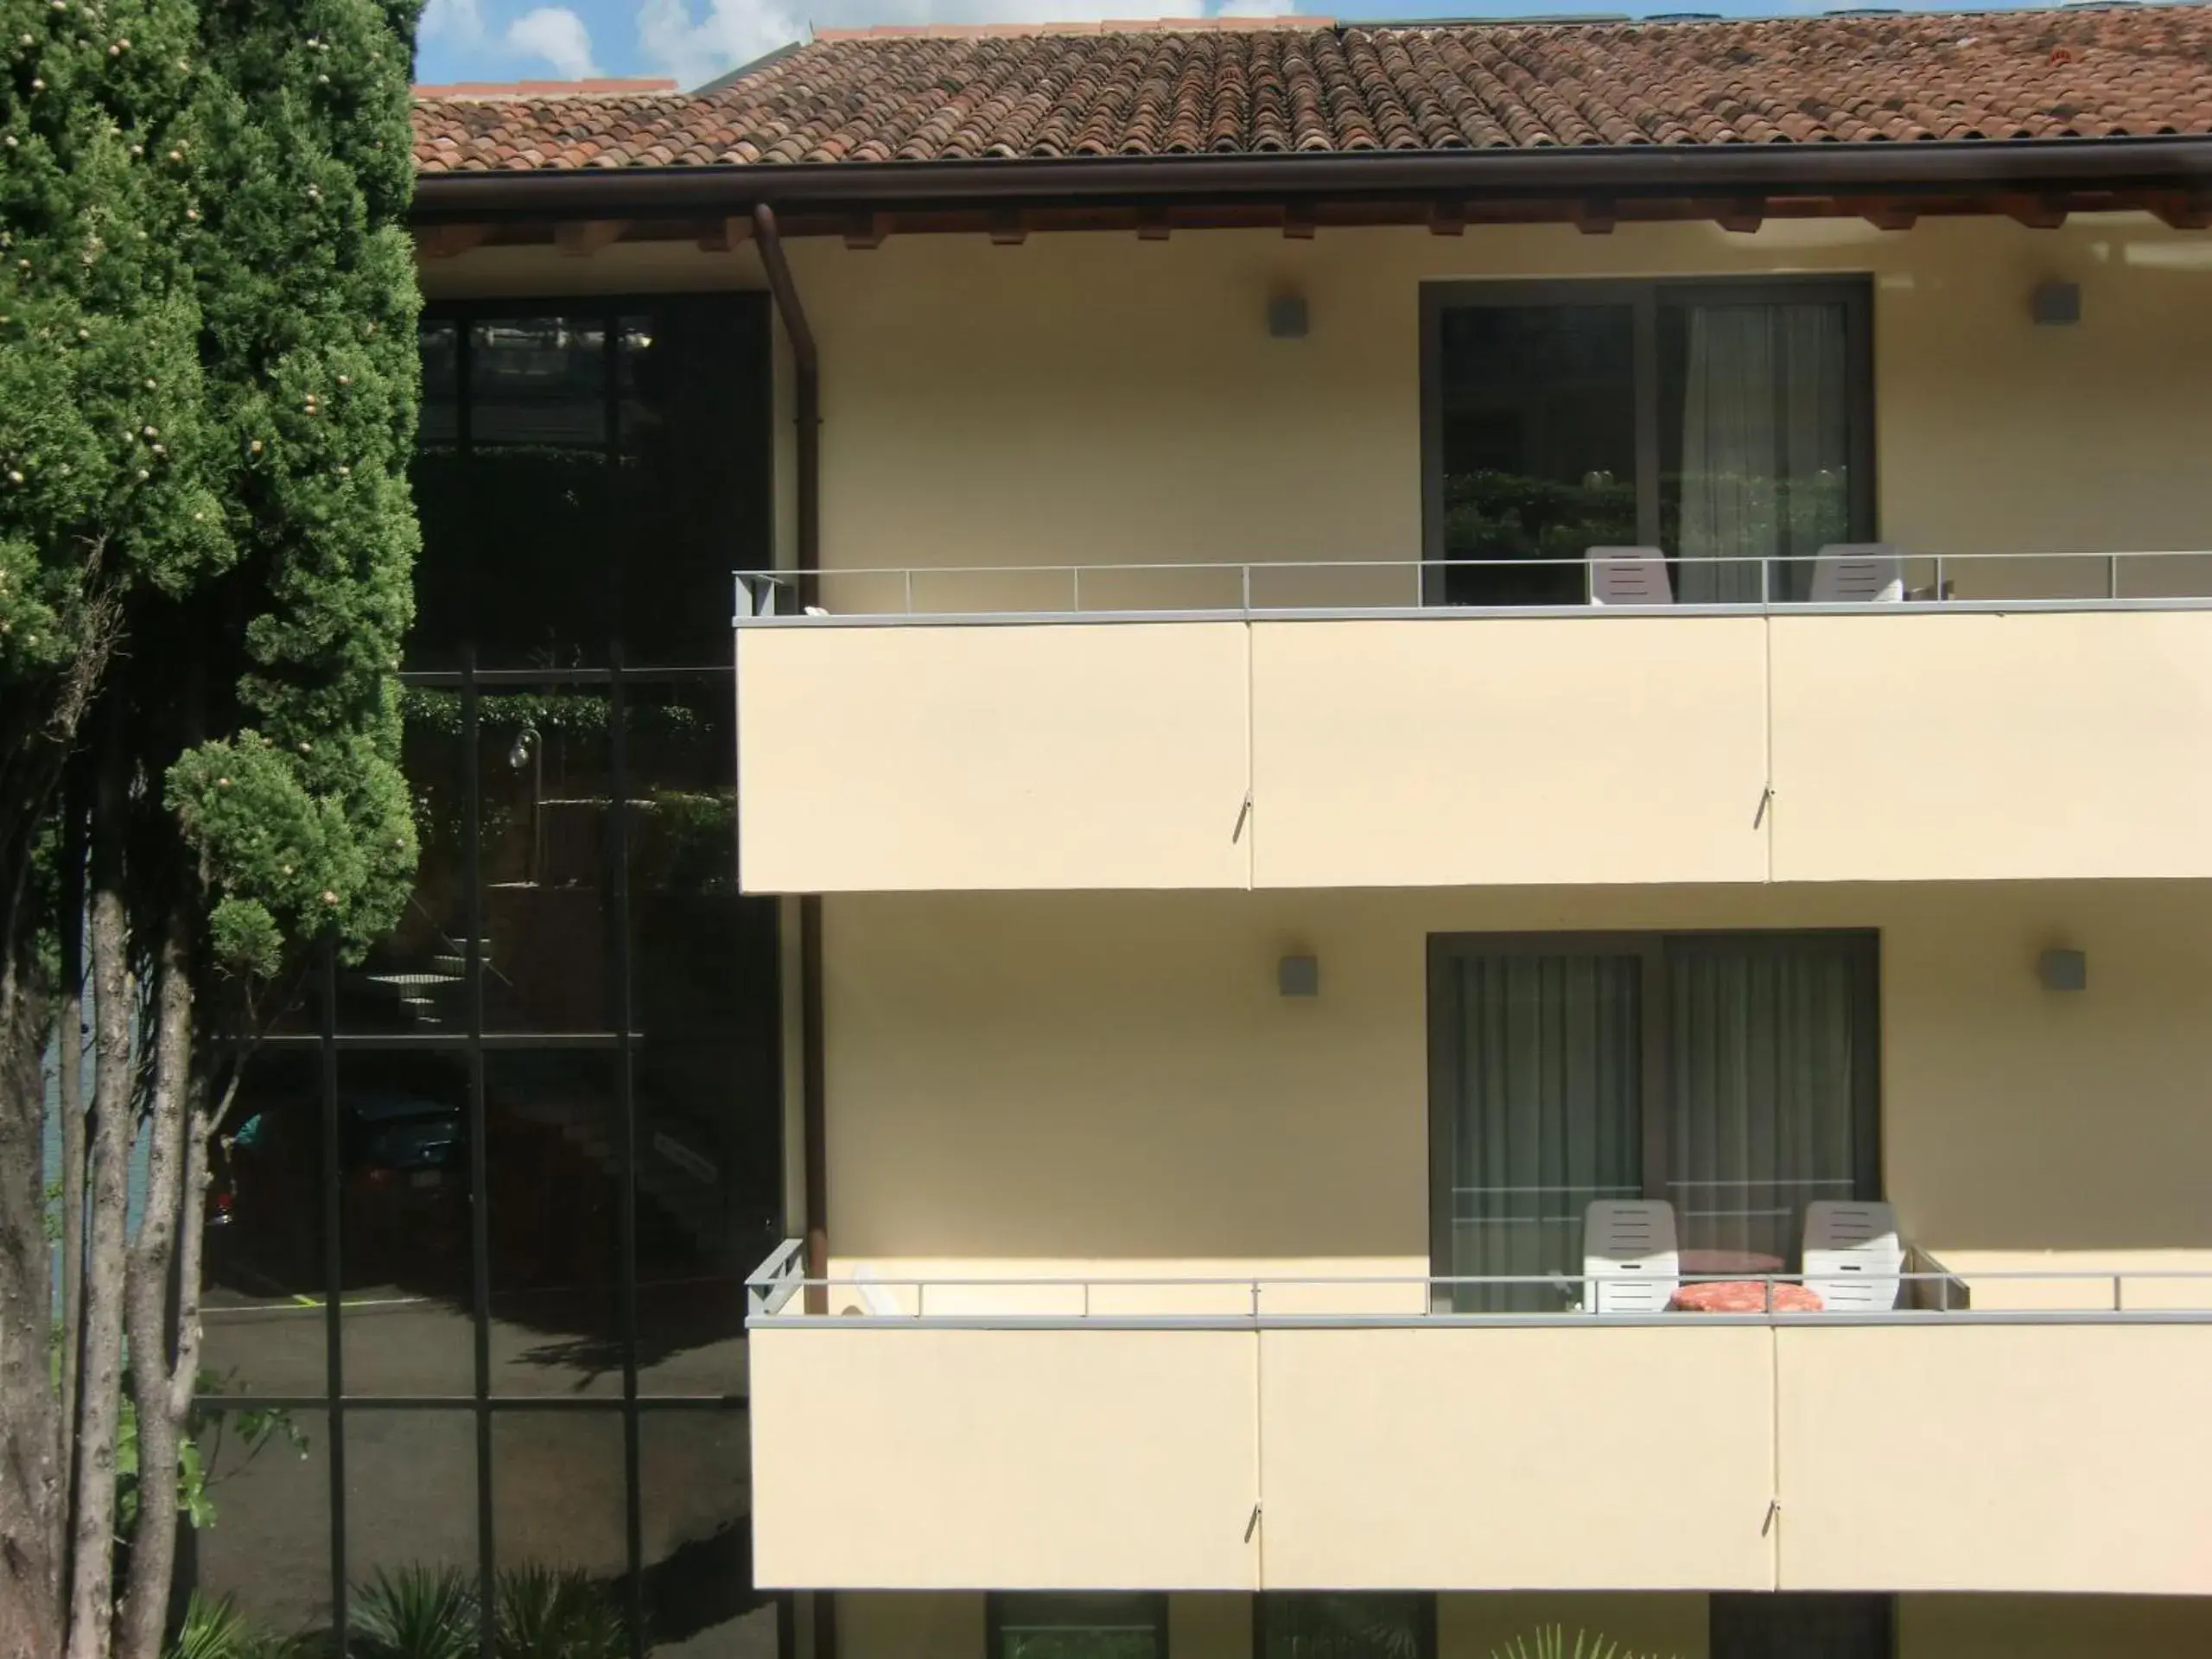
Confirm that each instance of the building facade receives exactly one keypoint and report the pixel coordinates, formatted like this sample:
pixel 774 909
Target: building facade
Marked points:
pixel 1348 642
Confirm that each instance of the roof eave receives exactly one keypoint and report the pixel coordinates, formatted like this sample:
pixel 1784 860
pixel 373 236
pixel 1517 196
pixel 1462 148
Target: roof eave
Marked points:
pixel 1925 166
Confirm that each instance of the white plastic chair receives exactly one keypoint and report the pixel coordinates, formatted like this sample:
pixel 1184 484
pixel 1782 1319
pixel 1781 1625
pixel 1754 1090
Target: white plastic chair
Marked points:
pixel 1854 1260
pixel 1850 573
pixel 1630 1263
pixel 875 1299
pixel 1629 576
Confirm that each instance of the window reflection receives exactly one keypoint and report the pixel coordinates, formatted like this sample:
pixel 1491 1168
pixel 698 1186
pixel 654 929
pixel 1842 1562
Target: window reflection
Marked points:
pixel 1538 447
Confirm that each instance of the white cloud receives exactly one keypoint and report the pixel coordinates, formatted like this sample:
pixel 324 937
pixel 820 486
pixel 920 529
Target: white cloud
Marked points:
pixel 455 22
pixel 696 40
pixel 557 35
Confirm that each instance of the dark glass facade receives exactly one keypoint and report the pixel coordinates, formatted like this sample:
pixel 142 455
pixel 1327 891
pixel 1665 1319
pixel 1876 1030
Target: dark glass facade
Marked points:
pixel 487 1201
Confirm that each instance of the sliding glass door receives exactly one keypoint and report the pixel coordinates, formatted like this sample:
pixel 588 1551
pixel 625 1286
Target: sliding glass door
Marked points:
pixel 1734 1075
pixel 1729 424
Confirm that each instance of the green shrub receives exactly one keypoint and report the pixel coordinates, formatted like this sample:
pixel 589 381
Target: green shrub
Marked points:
pixel 418 1613
pixel 215 1629
pixel 1550 1642
pixel 429 1612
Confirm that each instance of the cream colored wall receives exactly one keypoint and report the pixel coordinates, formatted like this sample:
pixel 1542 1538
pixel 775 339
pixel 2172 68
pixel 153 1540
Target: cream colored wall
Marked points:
pixel 1110 1085
pixel 1578 1457
pixel 1090 397
pixel 1966 747
pixel 2025 1458
pixel 892 1459
pixel 1095 399
pixel 994 757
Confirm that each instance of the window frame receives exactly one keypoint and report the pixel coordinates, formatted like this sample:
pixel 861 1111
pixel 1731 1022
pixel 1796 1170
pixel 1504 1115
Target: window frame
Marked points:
pixel 1654 951
pixel 1153 1604
pixel 1642 297
pixel 1424 1615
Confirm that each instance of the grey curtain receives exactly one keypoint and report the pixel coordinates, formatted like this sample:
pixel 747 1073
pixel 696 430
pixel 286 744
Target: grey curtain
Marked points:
pixel 1765 456
pixel 1762 1052
pixel 1546 1108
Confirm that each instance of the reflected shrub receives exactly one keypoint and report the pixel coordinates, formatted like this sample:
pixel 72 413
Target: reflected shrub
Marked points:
pixel 432 1612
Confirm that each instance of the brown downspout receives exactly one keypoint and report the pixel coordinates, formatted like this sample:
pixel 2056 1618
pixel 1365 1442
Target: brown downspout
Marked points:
pixel 807 416
pixel 813 1083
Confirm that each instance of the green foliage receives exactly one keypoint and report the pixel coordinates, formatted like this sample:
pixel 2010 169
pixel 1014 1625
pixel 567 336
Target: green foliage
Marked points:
pixel 299 816
pixel 217 1630
pixel 104 435
pixel 418 1612
pixel 548 1614
pixel 1549 1641
pixel 539 1613
pixel 430 710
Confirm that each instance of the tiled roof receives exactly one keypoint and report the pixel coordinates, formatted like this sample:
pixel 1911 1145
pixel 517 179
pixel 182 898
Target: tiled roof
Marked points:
pixel 1299 85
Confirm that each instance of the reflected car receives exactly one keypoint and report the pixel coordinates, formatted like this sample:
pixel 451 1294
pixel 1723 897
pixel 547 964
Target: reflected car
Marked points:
pixel 404 1180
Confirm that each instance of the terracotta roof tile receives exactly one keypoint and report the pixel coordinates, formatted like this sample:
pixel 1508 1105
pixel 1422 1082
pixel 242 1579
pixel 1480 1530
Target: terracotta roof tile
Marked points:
pixel 1232 86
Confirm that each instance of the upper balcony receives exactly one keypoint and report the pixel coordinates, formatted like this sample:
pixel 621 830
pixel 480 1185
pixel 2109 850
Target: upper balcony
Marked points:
pixel 1325 725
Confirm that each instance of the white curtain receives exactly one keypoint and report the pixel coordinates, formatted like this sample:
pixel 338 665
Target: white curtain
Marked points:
pixel 1761 1098
pixel 1548 1113
pixel 1765 456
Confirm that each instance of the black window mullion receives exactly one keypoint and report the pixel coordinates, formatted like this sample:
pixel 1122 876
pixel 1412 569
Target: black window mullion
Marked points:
pixel 480 1247
pixel 333 1287
pixel 1646 309
pixel 618 940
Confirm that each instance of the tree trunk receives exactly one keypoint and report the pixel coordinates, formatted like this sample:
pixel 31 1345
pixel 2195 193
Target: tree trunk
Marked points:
pixel 153 1261
pixel 31 1436
pixel 91 1589
pixel 69 1042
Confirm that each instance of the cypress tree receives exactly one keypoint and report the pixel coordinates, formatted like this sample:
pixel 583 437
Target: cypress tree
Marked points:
pixel 206 555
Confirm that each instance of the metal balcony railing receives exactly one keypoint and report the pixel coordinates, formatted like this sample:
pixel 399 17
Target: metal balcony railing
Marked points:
pixel 1929 1293
pixel 1292 589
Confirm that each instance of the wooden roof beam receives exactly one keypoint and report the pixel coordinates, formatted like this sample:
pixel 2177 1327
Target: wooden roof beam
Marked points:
pixel 1152 225
pixel 1447 218
pixel 1890 216
pixel 1008 229
pixel 580 239
pixel 449 241
pixel 2184 210
pixel 2036 213
pixel 1744 216
pixel 1298 222
pixel 866 230
pixel 1595 217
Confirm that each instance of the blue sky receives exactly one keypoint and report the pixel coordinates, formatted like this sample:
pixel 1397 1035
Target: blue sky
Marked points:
pixel 694 41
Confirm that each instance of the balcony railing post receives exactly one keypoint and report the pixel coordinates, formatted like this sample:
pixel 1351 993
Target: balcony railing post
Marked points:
pixel 909 574
pixel 1075 588
pixel 2111 576
pixel 1244 588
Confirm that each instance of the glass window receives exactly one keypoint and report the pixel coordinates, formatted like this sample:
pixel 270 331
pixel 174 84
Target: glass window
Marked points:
pixel 553 1123
pixel 1802 1625
pixel 263 1308
pixel 1727 424
pixel 589 472
pixel 697 1564
pixel 1332 1626
pixel 1036 1626
pixel 1731 1074
pixel 407 1325
pixel 1755 440
pixel 704 964
pixel 1538 444
pixel 411 1531
pixel 1546 1070
pixel 263 1539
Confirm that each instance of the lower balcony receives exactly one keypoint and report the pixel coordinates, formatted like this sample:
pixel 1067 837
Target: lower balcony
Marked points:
pixel 1245 1436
